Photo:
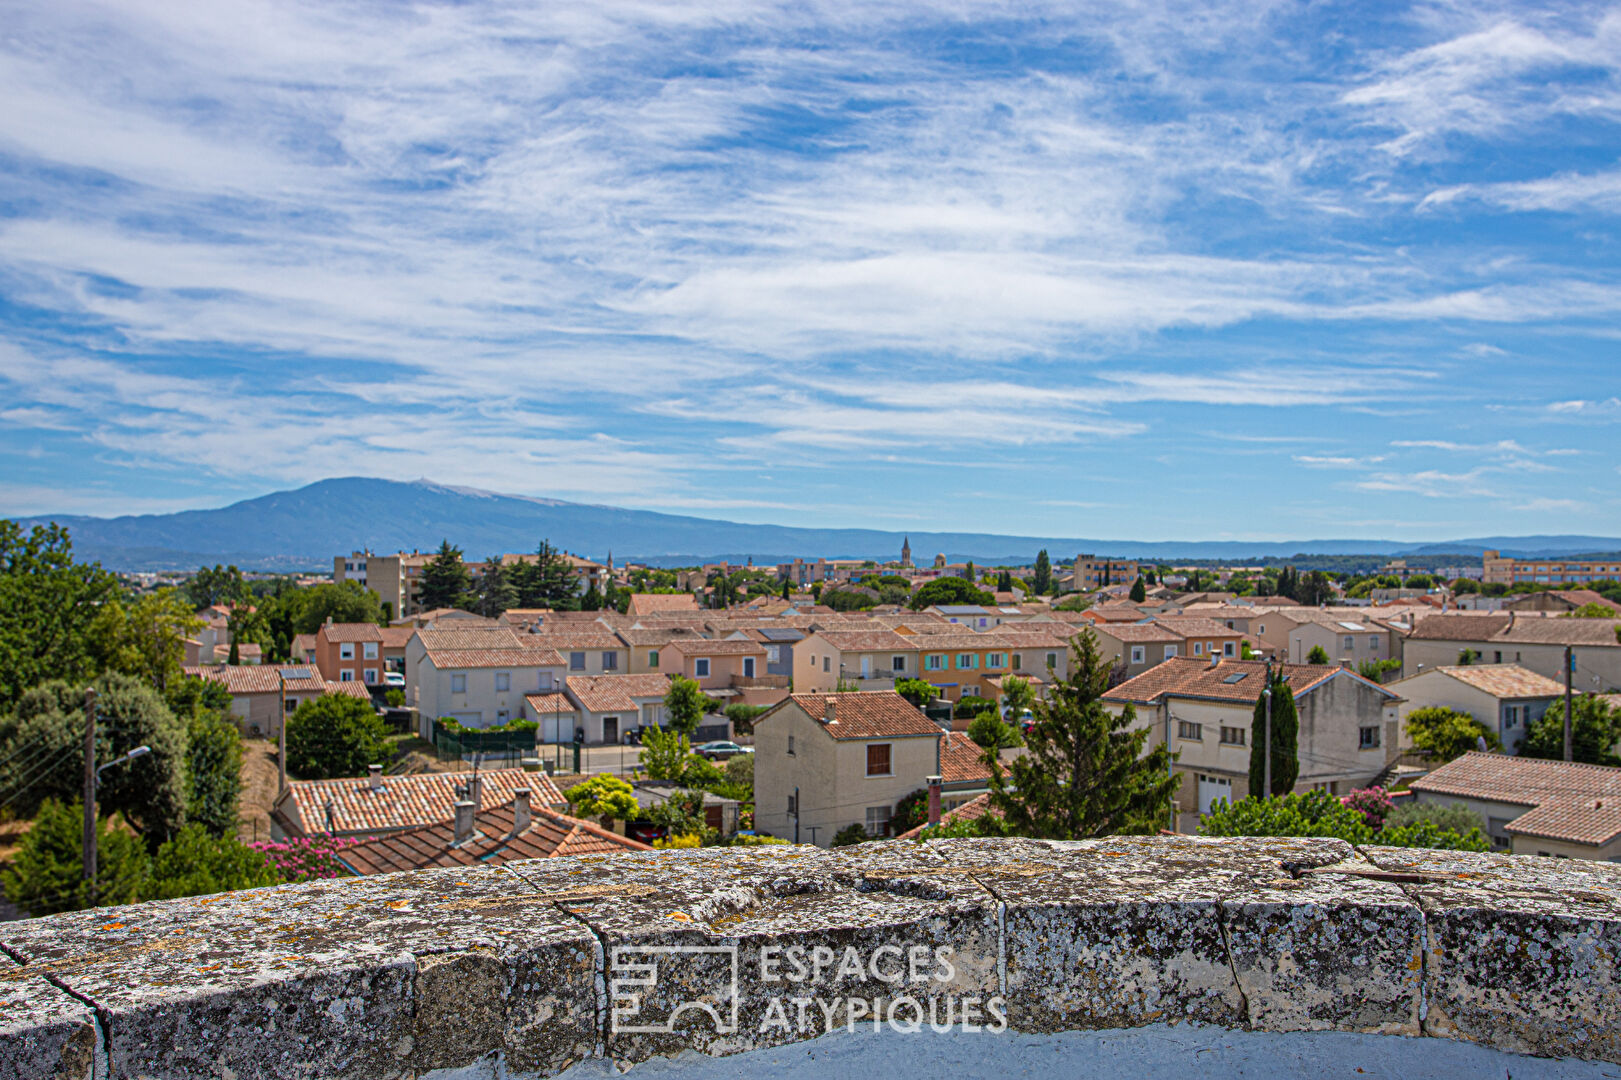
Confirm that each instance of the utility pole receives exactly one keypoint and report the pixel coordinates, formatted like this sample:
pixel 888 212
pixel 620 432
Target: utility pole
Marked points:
pixel 1570 666
pixel 90 794
pixel 796 815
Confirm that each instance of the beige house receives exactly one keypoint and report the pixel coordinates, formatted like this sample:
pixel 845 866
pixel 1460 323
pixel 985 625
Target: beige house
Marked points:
pixel 604 706
pixel 591 649
pixel 1203 638
pixel 261 695
pixel 722 668
pixel 868 659
pixel 1204 711
pixel 644 644
pixel 479 677
pixel 1137 646
pixel 1565 810
pixel 1532 641
pixel 1506 698
pixel 823 762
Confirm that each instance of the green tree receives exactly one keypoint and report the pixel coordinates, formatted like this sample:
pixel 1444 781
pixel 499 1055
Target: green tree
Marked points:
pixel 605 797
pixel 213 771
pixel 216 585
pixel 48 606
pixel 1285 740
pixel 665 755
pixel 548 581
pixel 190 696
pixel 1455 817
pixel 916 691
pixel 1085 773
pixel 1595 730
pixel 42 745
pixel 47 873
pixel 445 581
pixel 785 588
pixel 1017 696
pixel 1139 591
pixel 990 733
pixel 1425 834
pixel 1446 733
pixel 198 862
pixel 1042 580
pixel 684 703
pixel 1312 813
pixel 950 590
pixel 1592 610
pixel 1466 657
pixel 910 811
pixel 305 611
pixel 592 600
pixel 496 591
pixel 854 833
pixel 335 735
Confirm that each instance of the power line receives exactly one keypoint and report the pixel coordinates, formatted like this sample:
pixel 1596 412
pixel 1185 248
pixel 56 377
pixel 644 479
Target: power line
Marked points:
pixel 38 775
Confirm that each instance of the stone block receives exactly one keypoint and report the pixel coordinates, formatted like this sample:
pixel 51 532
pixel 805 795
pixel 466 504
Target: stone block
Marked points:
pixel 1521 951
pixel 45 1033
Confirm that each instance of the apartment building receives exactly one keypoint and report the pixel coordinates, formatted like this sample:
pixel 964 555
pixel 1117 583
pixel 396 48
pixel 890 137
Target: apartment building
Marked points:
pixel 1091 572
pixel 1535 642
pixel 1497 569
pixel 396 579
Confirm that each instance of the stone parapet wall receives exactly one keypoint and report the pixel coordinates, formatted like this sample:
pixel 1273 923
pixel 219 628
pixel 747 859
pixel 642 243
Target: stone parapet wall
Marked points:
pixel 540 965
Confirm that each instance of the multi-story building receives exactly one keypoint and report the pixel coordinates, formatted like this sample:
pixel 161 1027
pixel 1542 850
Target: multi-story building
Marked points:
pixel 1092 572
pixel 396 579
pixel 1497 569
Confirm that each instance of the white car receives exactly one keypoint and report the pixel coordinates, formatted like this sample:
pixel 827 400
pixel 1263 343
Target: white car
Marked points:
pixel 394 678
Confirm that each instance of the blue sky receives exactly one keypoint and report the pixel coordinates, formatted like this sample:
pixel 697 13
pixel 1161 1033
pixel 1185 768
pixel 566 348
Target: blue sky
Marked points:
pixel 1259 270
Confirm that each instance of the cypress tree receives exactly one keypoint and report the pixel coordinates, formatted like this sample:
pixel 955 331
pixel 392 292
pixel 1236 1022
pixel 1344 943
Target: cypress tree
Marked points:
pixel 1285 740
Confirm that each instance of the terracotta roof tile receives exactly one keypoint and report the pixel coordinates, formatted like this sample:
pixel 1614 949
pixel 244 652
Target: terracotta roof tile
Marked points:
pixel 259 678
pixel 706 647
pixel 648 603
pixel 353 688
pixel 472 637
pixel 405 801
pixel 968 811
pixel 1569 800
pixel 550 835
pixel 1195 677
pixel 445 659
pixel 351 632
pixel 960 761
pixel 874 640
pixel 869 714
pixel 1505 680
pixel 615 693
pixel 566 638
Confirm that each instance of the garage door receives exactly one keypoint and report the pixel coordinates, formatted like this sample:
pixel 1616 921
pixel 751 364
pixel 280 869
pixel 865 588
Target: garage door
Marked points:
pixel 1212 788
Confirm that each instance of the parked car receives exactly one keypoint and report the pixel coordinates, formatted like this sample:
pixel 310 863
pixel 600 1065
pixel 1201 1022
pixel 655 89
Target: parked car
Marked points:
pixel 394 678
pixel 721 750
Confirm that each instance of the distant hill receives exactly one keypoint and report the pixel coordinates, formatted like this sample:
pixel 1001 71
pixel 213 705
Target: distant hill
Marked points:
pixel 305 528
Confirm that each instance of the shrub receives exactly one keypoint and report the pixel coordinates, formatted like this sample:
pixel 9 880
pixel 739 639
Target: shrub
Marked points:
pixel 1314 813
pixel 214 771
pixel 991 733
pixel 742 716
pixel 739 771
pixel 1447 733
pixel 973 706
pixel 1455 817
pixel 304 858
pixel 1426 834
pixel 197 863
pixel 456 727
pixel 1318 655
pixel 395 697
pixel 335 736
pixel 850 834
pixel 1372 803
pixel 911 810
pixel 916 691
pixel 689 840
pixel 755 841
pixel 605 797
pixel 47 873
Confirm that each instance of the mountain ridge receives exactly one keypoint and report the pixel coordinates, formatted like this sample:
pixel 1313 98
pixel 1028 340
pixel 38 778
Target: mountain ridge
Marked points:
pixel 303 528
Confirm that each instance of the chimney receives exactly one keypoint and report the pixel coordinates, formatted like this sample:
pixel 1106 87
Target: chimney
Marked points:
pixel 474 790
pixel 1345 662
pixel 520 810
pixel 831 715
pixel 934 800
pixel 331 826
pixel 329 620
pixel 1215 659
pixel 376 772
pixel 464 822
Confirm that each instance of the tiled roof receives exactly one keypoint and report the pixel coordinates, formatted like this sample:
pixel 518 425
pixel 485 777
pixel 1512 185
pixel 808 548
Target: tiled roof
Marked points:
pixel 875 640
pixel 472 637
pixel 1116 613
pixel 1138 632
pixel 638 635
pixel 1458 627
pixel 260 678
pixel 550 835
pixel 1569 800
pixel 566 638
pixel 1195 627
pixel 1186 676
pixel 1505 680
pixel 351 632
pixel 353 688
pixel 868 714
pixel 397 637
pixel 615 693
pixel 548 702
pixel 968 811
pixel 960 759
pixel 1558 631
pixel 647 603
pixel 706 647
pixel 405 801
pixel 446 659
pixel 305 643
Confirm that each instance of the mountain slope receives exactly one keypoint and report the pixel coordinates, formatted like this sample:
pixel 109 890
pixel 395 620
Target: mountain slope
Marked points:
pixel 308 526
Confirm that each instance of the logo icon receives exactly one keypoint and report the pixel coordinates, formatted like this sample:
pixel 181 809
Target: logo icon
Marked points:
pixel 635 973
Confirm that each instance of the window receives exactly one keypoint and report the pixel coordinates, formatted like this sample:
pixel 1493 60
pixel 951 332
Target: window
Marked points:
pixel 1261 629
pixel 1511 716
pixel 1198 648
pixel 458 684
pixel 369 650
pixel 748 667
pixel 791 746
pixel 773 654
pixel 1187 729
pixel 1052 660
pixel 1350 643
pixel 793 804
pixel 1368 737
pixel 346 675
pixel 934 662
pixel 1233 736
pixel 1497 830
pixel 877 821
pixel 346 651
pixel 995 660
pixel 370 676
pixel 827 663
pixel 878 759
pixel 1373 643
pixel 897 663
pixel 502 716
pixel 1228 648
pixel 576 661
pixel 700 667
pixel 1139 654
pixel 1018 662
pixel 1170 651
pixel 610 661
pixel 503 680
pixel 967 661
pixel 290 705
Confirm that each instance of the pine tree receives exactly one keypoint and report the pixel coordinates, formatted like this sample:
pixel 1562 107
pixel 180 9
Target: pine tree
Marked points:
pixel 445 581
pixel 496 589
pixel 785 588
pixel 1085 773
pixel 592 600
pixel 1139 591
pixel 1042 580
pixel 1285 739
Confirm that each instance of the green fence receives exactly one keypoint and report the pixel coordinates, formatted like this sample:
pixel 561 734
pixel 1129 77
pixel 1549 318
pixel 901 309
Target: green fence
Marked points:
pixel 456 745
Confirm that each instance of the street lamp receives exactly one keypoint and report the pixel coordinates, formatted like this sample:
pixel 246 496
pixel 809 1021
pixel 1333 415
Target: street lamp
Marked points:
pixel 139 751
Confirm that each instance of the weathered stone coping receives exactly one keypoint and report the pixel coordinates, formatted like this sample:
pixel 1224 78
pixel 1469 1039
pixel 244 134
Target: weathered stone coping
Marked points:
pixel 534 963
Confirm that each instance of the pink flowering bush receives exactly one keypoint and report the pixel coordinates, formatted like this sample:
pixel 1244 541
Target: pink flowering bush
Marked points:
pixel 305 859
pixel 1372 803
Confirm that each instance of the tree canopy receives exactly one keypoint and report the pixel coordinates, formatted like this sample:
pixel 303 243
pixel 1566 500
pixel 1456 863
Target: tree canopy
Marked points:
pixel 1595 730
pixel 1447 734
pixel 1285 741
pixel 684 703
pixel 445 580
pixel 335 735
pixel 950 590
pixel 48 607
